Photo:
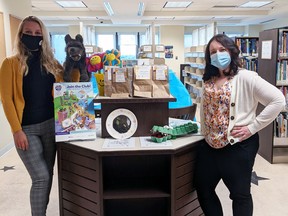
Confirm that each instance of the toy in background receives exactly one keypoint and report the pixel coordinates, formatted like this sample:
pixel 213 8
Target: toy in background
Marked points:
pixel 111 57
pixel 100 83
pixel 95 66
pixel 75 63
pixel 94 62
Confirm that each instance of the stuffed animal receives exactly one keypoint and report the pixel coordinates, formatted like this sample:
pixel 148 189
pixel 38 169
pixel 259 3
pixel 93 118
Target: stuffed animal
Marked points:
pixel 75 63
pixel 94 62
pixel 111 57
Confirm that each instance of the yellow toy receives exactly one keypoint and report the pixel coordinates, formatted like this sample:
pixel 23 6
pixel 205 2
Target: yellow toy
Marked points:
pixel 100 83
pixel 111 57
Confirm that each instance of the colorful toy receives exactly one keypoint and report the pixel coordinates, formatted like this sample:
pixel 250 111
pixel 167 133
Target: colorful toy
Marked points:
pixel 111 57
pixel 161 134
pixel 100 83
pixel 94 62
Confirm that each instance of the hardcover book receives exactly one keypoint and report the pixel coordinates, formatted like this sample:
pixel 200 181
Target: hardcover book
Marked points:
pixel 74 111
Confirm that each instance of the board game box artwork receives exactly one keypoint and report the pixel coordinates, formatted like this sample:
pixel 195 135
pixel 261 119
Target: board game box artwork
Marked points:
pixel 74 111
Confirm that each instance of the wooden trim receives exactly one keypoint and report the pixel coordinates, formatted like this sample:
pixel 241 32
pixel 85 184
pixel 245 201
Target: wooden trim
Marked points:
pixel 2 41
pixel 14 25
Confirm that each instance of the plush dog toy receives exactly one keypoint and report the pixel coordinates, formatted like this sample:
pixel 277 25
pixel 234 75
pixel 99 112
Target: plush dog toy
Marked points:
pixel 75 63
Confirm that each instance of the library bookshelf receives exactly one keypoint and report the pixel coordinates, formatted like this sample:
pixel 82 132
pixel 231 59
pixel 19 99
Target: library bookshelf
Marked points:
pixel 272 67
pixel 248 47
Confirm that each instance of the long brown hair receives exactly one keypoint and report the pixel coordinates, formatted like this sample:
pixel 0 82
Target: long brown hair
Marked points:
pixel 210 70
pixel 48 61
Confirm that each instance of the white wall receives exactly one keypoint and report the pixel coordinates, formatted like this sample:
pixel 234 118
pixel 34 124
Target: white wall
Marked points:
pixel 173 35
pixel 253 30
pixel 280 23
pixel 21 9
pixel 6 137
pixel 231 29
pixel 119 29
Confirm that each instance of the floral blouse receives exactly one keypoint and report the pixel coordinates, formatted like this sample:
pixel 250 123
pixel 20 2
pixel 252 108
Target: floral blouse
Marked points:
pixel 216 111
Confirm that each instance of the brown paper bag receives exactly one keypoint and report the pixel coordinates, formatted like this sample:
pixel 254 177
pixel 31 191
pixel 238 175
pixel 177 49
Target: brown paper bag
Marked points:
pixel 142 81
pixel 108 71
pixel 160 81
pixel 120 83
pixel 130 71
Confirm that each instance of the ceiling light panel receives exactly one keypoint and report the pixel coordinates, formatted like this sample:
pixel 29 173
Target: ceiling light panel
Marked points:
pixel 140 9
pixel 71 4
pixel 255 4
pixel 108 8
pixel 177 4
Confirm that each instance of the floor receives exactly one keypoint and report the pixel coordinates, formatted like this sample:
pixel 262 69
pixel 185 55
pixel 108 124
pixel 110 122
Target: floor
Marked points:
pixel 269 189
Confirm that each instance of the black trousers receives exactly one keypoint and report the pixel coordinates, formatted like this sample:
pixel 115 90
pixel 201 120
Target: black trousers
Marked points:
pixel 233 164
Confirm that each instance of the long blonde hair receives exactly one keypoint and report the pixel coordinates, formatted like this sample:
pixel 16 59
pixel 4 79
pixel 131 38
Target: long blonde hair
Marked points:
pixel 47 57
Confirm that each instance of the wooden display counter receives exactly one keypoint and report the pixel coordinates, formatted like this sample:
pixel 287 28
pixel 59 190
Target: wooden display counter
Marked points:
pixel 154 181
pixel 148 112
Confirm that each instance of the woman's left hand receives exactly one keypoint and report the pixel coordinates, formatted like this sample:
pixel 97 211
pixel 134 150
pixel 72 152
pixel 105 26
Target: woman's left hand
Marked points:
pixel 241 132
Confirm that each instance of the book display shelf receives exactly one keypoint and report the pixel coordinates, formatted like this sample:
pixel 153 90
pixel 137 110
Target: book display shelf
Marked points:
pixel 248 47
pixel 273 56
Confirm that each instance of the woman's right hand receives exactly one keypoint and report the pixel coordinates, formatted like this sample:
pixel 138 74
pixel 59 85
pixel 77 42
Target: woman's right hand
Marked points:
pixel 20 140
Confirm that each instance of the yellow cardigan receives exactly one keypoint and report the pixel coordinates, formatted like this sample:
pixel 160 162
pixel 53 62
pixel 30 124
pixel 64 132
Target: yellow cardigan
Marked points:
pixel 11 92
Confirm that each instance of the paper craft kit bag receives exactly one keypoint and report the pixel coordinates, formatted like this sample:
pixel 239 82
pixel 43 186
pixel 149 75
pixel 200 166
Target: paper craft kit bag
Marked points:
pixel 120 83
pixel 142 81
pixel 108 70
pixel 130 71
pixel 160 81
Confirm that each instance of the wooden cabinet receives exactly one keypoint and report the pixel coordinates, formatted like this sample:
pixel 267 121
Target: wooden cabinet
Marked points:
pixel 274 149
pixel 127 182
pixel 148 112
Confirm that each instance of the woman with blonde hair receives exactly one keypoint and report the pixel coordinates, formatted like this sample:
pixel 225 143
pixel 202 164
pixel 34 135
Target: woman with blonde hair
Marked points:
pixel 26 83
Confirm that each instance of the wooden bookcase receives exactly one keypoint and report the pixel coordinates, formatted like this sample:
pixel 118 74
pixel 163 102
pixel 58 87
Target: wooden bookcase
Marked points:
pixel 248 47
pixel 273 149
pixel 155 182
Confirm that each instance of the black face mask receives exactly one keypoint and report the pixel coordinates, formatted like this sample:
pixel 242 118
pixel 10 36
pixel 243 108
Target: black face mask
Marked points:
pixel 32 42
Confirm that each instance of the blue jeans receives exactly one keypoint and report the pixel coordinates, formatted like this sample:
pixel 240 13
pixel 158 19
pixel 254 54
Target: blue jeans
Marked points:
pixel 233 164
pixel 39 161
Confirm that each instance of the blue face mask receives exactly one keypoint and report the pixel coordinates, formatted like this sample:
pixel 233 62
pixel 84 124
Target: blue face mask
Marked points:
pixel 220 60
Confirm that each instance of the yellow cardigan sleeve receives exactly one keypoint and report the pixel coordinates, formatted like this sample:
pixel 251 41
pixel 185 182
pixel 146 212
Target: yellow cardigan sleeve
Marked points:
pixel 12 99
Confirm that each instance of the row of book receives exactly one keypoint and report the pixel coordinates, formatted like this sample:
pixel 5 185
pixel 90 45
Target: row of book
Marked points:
pixel 250 64
pixel 281 74
pixel 283 40
pixel 247 46
pixel 280 125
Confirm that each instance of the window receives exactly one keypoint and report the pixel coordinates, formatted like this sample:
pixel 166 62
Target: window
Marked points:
pixel 143 39
pixel 58 45
pixel 188 40
pixel 128 46
pixel 106 41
